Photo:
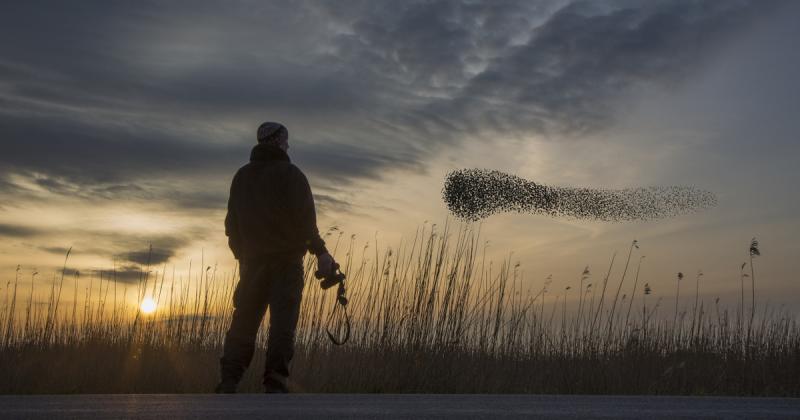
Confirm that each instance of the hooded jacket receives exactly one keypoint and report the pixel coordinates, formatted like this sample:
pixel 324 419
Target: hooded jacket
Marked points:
pixel 271 209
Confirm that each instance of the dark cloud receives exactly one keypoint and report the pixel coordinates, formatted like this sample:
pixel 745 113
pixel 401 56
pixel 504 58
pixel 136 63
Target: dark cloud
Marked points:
pixel 156 250
pixel 341 162
pixel 126 248
pixel 152 256
pixel 17 231
pixel 189 197
pixel 130 274
pixel 181 57
pixel 434 47
pixel 149 257
pixel 212 199
pixel 460 69
pixel 571 74
pixel 119 101
pixel 327 203
pixel 54 250
pixel 99 154
pixel 7 187
pixel 92 101
pixel 68 271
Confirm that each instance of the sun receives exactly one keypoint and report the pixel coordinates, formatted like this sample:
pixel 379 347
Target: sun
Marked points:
pixel 148 306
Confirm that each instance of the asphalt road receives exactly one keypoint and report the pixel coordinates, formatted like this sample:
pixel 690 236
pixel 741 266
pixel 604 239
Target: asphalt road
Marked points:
pixel 382 406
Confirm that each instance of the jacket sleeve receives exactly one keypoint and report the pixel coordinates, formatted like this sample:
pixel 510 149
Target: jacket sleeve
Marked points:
pixel 232 223
pixel 306 214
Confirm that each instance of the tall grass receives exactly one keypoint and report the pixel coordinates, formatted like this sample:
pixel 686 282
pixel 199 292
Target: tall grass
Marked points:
pixel 430 315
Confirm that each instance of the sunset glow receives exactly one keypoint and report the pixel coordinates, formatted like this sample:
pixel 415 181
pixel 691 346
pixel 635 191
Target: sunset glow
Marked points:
pixel 148 306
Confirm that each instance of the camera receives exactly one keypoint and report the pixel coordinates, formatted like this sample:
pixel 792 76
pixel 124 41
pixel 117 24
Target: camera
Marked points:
pixel 333 278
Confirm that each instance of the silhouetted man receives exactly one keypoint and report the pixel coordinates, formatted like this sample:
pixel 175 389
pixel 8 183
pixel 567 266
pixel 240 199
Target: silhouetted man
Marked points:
pixel 271 223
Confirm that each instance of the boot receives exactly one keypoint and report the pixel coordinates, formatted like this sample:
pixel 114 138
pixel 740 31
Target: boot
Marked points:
pixel 226 386
pixel 275 384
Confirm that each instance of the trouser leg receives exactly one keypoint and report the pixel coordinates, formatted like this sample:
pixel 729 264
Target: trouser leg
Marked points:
pixel 250 302
pixel 284 306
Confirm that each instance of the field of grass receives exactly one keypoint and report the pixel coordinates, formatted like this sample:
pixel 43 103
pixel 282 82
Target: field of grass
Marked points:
pixel 430 315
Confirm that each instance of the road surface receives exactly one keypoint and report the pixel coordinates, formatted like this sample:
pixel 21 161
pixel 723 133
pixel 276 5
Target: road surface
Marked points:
pixel 297 406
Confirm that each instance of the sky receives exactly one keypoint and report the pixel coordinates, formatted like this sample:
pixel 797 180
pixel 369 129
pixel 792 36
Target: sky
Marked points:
pixel 122 124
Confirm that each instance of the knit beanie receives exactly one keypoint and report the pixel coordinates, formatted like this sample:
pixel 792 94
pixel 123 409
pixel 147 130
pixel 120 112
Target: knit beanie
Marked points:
pixel 274 134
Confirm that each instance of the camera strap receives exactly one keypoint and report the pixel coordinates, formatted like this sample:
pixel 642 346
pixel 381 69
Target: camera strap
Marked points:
pixel 339 318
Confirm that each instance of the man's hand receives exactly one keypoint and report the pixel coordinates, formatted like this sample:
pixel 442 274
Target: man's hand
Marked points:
pixel 324 264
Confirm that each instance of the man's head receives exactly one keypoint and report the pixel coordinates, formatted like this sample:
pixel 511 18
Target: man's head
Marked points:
pixel 274 134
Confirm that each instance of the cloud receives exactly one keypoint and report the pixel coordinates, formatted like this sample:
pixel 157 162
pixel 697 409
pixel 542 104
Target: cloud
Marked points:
pixel 158 102
pixel 34 186
pixel 130 274
pixel 18 231
pixel 55 250
pixel 572 73
pixel 125 274
pixel 128 248
pixel 68 271
pixel 98 154
pixel 153 106
pixel 340 163
pixel 150 249
pixel 327 203
pixel 107 110
pixel 149 257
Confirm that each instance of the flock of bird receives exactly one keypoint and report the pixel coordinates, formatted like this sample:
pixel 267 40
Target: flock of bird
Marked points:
pixel 474 194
